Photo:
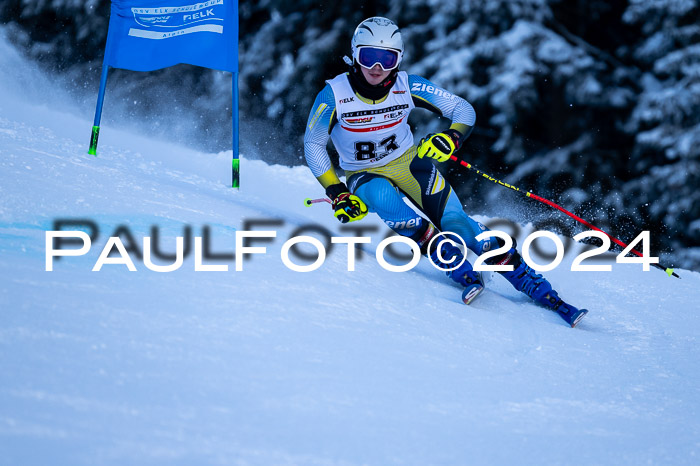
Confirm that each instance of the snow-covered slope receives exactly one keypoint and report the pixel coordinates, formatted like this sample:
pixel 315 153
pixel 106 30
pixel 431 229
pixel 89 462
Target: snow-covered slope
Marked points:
pixel 271 366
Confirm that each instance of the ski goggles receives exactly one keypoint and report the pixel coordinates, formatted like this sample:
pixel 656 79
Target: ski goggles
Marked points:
pixel 370 56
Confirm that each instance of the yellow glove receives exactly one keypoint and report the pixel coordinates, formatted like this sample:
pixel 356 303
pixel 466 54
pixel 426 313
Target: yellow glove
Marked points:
pixel 347 207
pixel 439 146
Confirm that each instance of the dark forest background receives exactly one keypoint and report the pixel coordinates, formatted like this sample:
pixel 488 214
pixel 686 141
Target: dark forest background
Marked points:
pixel 594 104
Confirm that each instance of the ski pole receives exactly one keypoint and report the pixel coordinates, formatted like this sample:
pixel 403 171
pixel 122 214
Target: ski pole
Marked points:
pixel 668 270
pixel 308 202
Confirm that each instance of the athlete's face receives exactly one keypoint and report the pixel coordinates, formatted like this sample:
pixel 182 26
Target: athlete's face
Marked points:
pixel 375 75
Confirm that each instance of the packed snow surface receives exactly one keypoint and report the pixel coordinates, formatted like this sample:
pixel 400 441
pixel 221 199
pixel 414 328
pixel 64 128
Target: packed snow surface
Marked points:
pixel 271 366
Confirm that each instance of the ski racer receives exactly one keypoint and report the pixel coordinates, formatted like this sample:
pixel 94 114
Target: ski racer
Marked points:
pixel 364 112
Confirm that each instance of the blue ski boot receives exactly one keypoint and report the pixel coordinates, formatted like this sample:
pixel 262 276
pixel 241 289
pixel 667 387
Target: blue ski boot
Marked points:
pixel 524 279
pixel 464 274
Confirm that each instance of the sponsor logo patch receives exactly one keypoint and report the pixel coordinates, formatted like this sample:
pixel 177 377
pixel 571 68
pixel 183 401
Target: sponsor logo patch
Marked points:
pixel 374 112
pixel 422 87
pixel 436 183
pixel 166 22
pixel 358 121
pixel 412 223
pixel 394 115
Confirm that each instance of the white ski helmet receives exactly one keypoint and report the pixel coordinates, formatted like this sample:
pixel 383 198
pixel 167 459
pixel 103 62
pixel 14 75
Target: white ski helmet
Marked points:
pixel 377 33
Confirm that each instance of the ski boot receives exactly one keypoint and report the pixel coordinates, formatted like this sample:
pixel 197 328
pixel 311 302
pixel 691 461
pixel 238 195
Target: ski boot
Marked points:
pixel 464 274
pixel 524 279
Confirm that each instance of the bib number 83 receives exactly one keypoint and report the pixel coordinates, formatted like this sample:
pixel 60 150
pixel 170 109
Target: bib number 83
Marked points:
pixel 366 150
